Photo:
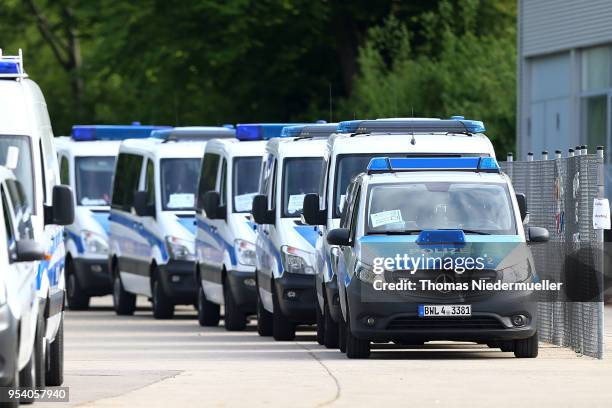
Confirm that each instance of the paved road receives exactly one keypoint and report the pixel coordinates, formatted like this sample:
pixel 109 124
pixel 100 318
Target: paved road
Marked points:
pixel 137 361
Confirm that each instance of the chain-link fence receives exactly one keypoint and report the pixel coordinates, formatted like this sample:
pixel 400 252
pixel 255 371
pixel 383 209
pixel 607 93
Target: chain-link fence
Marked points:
pixel 560 194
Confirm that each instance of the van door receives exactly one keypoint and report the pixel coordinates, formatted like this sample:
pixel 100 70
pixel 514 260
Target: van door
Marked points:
pixel 127 242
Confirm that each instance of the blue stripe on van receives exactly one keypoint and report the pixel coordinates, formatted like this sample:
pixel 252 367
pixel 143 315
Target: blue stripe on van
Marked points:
pixel 309 233
pixel 102 218
pixel 151 238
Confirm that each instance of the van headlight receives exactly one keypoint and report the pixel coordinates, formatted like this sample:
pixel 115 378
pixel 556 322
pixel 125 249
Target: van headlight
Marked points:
pixel 296 261
pixel 94 243
pixel 519 272
pixel 365 273
pixel 180 249
pixel 245 252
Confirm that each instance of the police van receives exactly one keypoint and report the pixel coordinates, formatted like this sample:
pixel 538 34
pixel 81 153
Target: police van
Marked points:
pixel 152 231
pixel 422 243
pixel 225 243
pixel 87 161
pixel 348 153
pixel 25 128
pixel 21 321
pixel 292 167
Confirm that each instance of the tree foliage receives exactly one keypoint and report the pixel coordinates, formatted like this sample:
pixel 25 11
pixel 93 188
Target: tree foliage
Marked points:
pixel 206 62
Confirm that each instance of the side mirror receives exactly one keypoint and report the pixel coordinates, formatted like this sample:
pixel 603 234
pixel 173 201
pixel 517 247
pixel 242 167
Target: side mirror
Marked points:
pixel 61 211
pixel 211 203
pixel 538 234
pixel 28 250
pixel 522 204
pixel 339 236
pixel 140 205
pixel 312 214
pixel 260 211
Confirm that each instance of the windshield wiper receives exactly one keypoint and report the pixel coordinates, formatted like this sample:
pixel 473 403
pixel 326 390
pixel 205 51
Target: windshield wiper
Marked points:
pixel 407 232
pixel 467 231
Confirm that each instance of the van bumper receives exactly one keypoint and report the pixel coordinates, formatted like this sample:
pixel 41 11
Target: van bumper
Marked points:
pixel 93 276
pixel 243 287
pixel 8 346
pixel 297 297
pixel 397 319
pixel 177 279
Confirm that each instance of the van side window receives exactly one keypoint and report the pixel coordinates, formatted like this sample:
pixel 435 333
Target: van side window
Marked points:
pixel 208 176
pixel 355 213
pixel 272 186
pixel 150 183
pixel 8 226
pixel 128 167
pixel 21 209
pixel 64 171
pixel 223 184
pixel 43 169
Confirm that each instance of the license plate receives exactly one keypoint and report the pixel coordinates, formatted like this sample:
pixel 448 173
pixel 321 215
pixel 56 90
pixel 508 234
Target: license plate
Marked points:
pixel 444 310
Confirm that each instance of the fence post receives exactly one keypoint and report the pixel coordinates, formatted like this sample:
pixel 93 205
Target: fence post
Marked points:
pixel 545 155
pixel 530 156
pixel 600 241
pixel 570 153
pixel 557 154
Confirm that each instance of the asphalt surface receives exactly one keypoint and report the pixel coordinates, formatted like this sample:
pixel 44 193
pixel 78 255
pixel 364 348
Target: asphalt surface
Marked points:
pixel 136 361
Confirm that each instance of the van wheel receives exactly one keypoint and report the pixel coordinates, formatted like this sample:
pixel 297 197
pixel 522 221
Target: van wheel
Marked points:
pixel 264 318
pixel 208 312
pixel 55 369
pixel 342 335
pixel 77 300
pixel 282 328
pixel 163 308
pixel 526 348
pixel 356 348
pixel 331 329
pixel 235 319
pixel 123 302
pixel 27 378
pixel 320 325
pixel 39 349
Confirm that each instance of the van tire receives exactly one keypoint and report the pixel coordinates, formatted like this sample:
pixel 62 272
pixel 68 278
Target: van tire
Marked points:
pixel 77 300
pixel 282 328
pixel 124 302
pixel 208 312
pixel 55 369
pixel 526 348
pixel 356 348
pixel 39 349
pixel 331 329
pixel 27 378
pixel 235 319
pixel 264 318
pixel 342 335
pixel 320 325
pixel 163 308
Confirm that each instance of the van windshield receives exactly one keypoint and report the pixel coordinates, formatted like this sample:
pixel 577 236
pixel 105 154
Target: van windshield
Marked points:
pixel 24 170
pixel 301 176
pixel 179 180
pixel 245 182
pixel 93 177
pixel 476 208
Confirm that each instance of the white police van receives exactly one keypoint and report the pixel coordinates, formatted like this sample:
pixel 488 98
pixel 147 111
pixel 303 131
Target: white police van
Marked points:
pixel 225 243
pixel 21 321
pixel 87 161
pixel 25 127
pixel 152 231
pixel 348 153
pixel 292 168
pixel 433 248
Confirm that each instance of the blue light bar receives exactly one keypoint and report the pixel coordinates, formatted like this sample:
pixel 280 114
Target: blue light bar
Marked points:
pixel 386 164
pixel 193 133
pixel 9 67
pixel 260 131
pixel 112 132
pixel 314 130
pixel 441 237
pixel 453 125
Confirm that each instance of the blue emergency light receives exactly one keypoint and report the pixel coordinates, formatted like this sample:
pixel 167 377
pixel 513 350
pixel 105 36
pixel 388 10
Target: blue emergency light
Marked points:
pixel 9 67
pixel 112 132
pixel 193 133
pixel 456 124
pixel 386 164
pixel 315 130
pixel 260 131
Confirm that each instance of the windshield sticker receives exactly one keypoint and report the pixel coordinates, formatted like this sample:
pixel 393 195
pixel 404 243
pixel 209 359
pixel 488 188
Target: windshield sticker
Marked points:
pixel 296 203
pixel 93 201
pixel 181 200
pixel 244 202
pixel 385 218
